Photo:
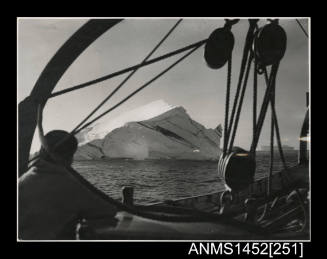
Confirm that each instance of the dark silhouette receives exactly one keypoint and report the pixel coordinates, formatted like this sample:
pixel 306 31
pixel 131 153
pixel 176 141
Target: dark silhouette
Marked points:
pixel 50 197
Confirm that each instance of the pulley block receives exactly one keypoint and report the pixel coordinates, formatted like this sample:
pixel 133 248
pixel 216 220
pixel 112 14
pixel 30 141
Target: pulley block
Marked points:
pixel 237 169
pixel 219 47
pixel 270 44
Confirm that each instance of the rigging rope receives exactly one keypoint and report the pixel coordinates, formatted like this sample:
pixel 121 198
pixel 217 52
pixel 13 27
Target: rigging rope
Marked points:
pixel 190 215
pixel 281 152
pixel 239 109
pixel 279 142
pixel 266 209
pixel 229 76
pixel 128 77
pixel 255 97
pixel 128 97
pixel 247 46
pixel 195 46
pixel 139 89
pixel 272 129
pixel 228 25
pixel 123 71
pixel 196 215
pixel 264 106
pixel 305 33
pixel 270 82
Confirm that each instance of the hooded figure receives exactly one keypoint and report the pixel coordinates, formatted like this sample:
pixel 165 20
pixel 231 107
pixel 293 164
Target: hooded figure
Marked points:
pixel 50 196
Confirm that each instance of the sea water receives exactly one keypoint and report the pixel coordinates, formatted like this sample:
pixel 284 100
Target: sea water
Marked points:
pixel 160 180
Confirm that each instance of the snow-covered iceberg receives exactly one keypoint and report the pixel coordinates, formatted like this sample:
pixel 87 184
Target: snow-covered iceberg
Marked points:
pixel 170 135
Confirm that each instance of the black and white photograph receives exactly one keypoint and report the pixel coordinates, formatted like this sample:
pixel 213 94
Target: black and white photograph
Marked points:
pixel 163 129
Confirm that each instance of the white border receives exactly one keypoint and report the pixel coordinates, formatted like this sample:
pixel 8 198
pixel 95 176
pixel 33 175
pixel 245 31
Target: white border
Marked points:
pixel 169 18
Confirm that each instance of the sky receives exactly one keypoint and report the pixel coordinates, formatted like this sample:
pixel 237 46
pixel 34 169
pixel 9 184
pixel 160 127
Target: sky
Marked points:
pixel 191 84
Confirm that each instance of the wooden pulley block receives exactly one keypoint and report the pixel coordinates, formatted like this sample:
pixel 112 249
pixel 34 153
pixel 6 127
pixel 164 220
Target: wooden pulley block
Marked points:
pixel 219 47
pixel 237 169
pixel 270 44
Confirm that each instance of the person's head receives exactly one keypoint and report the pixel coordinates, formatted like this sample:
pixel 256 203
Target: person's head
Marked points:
pixel 65 150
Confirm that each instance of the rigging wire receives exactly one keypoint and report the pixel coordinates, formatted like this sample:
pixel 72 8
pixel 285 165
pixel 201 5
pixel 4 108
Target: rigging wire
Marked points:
pixel 239 108
pixel 247 46
pixel 264 106
pixel 272 129
pixel 183 214
pixel 268 192
pixel 255 97
pixel 126 98
pixel 117 88
pixel 138 90
pixel 305 33
pixel 243 65
pixel 280 148
pixel 129 76
pixel 270 82
pixel 279 142
pixel 258 129
pixel 228 25
pixel 229 75
pixel 123 71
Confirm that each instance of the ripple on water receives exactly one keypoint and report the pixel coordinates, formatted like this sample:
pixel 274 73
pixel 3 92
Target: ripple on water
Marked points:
pixel 160 180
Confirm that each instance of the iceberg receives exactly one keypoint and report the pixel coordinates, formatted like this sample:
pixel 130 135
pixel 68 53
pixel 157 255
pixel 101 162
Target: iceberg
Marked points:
pixel 170 135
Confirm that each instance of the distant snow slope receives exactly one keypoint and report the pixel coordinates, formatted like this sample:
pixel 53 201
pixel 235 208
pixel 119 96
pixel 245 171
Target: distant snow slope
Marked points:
pixel 170 135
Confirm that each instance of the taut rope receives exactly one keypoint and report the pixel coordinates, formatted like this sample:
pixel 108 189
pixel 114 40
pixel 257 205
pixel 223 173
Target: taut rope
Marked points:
pixel 128 77
pixel 139 89
pixel 123 71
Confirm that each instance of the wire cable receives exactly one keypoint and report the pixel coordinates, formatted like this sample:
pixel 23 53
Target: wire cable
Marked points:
pixel 305 33
pixel 229 75
pixel 137 90
pixel 128 77
pixel 123 71
pixel 246 50
pixel 239 108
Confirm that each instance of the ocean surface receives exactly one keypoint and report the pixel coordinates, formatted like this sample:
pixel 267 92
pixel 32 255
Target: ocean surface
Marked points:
pixel 160 180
